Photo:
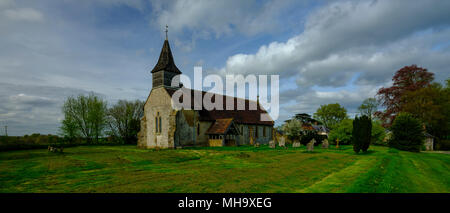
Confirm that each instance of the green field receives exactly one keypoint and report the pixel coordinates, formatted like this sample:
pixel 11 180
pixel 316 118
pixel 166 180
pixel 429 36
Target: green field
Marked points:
pixel 223 169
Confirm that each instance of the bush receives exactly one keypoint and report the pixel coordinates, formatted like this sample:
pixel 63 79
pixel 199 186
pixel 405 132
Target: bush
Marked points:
pixel 343 132
pixel 378 134
pixel 406 133
pixel 361 134
pixel 309 135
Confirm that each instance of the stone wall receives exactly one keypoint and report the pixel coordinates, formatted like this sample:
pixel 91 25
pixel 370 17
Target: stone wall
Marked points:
pixel 158 101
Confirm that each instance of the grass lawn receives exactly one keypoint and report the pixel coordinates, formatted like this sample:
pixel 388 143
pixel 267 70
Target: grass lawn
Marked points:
pixel 223 169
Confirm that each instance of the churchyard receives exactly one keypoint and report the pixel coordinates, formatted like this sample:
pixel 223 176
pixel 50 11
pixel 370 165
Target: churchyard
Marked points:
pixel 223 169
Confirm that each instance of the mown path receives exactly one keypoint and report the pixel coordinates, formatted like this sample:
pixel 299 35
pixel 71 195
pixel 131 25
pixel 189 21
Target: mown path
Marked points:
pixel 224 169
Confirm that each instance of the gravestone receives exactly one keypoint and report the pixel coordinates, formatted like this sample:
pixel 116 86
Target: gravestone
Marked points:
pixel 282 142
pixel 325 144
pixel 272 144
pixel 310 145
pixel 296 144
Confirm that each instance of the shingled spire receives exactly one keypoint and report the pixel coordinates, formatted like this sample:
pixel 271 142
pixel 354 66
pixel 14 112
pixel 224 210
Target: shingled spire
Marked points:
pixel 165 70
pixel 165 61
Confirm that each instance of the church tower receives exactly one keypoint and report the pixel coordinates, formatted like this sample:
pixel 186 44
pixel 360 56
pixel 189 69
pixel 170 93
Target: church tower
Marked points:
pixel 165 70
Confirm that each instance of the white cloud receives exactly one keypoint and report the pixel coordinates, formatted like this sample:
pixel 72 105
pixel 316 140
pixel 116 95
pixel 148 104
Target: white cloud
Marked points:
pixel 216 18
pixel 358 32
pixel 369 40
pixel 24 14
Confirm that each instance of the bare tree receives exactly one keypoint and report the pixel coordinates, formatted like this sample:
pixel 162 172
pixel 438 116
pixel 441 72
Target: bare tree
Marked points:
pixel 124 120
pixel 85 116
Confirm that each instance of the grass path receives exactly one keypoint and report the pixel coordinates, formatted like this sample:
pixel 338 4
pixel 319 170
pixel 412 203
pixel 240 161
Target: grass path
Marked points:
pixel 223 169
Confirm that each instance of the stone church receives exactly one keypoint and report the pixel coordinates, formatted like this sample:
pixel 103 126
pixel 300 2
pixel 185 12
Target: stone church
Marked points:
pixel 164 126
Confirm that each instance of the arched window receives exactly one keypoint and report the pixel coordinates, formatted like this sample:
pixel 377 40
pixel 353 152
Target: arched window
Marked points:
pixel 157 123
pixel 198 128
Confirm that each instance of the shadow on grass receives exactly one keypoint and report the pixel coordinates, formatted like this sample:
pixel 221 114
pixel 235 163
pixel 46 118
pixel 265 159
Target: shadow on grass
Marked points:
pixel 368 152
pixel 310 152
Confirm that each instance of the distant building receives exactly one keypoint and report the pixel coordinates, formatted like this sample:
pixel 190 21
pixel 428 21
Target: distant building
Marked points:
pixel 164 126
pixel 429 142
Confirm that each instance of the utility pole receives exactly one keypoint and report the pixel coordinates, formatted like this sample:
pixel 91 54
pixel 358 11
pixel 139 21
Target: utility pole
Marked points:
pixel 6 130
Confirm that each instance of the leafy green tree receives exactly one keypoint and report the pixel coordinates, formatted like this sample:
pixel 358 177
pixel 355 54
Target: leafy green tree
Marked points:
pixel 331 114
pixel 343 132
pixel 84 115
pixel 368 107
pixel 124 120
pixel 361 134
pixel 407 133
pixel 69 128
pixel 378 133
pixel 293 129
pixel 431 106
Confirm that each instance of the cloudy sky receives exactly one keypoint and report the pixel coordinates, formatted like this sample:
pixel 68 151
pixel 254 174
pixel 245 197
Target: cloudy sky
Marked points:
pixel 324 51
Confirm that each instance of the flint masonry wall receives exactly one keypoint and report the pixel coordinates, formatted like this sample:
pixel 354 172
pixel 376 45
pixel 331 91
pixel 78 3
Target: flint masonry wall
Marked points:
pixel 159 101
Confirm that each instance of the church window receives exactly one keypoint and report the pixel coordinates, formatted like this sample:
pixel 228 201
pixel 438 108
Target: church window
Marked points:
pixel 198 128
pixel 158 123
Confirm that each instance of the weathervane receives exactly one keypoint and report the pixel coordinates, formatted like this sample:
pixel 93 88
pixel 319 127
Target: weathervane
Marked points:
pixel 167 30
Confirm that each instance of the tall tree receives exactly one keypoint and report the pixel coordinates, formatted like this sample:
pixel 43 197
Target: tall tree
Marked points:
pixel 368 107
pixel 407 79
pixel 124 120
pixel 407 133
pixel 69 128
pixel 86 114
pixel 362 133
pixel 331 114
pixel 431 106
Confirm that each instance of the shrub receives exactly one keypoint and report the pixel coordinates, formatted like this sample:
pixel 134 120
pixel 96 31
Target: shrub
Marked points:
pixel 361 134
pixel 343 132
pixel 378 134
pixel 406 133
pixel 308 136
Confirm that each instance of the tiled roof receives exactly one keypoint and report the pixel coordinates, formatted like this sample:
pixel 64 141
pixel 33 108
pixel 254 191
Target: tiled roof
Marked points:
pixel 220 126
pixel 165 61
pixel 246 116
pixel 307 127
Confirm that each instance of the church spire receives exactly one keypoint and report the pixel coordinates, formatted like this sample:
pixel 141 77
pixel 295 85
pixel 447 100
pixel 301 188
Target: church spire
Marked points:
pixel 165 61
pixel 165 72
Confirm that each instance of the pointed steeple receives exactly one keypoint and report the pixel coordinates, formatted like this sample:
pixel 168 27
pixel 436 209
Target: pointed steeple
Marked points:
pixel 165 61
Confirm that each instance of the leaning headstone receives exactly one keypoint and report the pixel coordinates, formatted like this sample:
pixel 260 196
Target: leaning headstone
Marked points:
pixel 325 144
pixel 310 145
pixel 282 142
pixel 272 144
pixel 296 144
pixel 256 144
